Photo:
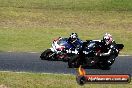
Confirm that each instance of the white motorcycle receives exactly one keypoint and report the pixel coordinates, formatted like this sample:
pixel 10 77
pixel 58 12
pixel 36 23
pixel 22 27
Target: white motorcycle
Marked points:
pixel 57 50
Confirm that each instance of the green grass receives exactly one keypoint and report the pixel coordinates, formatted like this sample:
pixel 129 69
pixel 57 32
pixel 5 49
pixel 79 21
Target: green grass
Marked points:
pixel 31 25
pixel 26 30
pixel 26 40
pixel 105 5
pixel 37 80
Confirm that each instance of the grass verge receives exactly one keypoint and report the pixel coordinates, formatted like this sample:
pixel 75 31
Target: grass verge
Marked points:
pixel 38 80
pixel 31 25
pixel 105 5
pixel 26 40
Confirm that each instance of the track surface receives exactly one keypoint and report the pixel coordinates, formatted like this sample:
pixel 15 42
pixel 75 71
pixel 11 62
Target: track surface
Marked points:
pixel 30 62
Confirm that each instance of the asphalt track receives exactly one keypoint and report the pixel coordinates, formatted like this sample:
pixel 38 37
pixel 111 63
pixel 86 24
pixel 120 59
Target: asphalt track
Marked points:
pixel 30 62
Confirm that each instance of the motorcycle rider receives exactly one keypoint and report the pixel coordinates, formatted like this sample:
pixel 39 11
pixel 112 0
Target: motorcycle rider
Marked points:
pixel 74 41
pixel 109 48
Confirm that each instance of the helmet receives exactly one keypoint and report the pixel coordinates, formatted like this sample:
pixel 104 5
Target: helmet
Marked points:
pixel 73 36
pixel 107 38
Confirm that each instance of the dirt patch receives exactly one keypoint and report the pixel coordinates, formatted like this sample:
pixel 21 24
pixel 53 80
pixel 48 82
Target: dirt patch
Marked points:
pixel 3 86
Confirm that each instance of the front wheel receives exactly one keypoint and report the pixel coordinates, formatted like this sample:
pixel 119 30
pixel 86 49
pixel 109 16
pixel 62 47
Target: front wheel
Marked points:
pixel 73 62
pixel 103 66
pixel 46 55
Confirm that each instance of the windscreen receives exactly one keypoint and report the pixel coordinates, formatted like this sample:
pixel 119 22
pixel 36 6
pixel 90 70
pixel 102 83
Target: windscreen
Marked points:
pixel 62 41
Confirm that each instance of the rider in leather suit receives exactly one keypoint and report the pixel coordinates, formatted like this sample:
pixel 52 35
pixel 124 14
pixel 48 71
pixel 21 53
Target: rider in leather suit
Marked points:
pixel 74 41
pixel 109 48
pixel 77 44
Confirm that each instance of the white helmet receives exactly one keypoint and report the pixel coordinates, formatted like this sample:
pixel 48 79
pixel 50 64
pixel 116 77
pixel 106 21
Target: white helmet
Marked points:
pixel 107 38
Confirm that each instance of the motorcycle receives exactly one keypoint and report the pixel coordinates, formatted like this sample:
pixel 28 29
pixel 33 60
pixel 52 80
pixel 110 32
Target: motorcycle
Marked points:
pixel 57 51
pixel 88 56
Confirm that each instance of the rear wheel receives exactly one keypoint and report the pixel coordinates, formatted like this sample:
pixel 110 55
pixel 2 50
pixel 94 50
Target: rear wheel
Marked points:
pixel 46 55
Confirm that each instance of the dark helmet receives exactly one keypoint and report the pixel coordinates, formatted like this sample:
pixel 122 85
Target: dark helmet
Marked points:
pixel 73 36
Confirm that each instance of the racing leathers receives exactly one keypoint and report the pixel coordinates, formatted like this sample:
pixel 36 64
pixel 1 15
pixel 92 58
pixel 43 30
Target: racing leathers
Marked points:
pixel 77 47
pixel 109 52
pixel 76 44
pixel 109 49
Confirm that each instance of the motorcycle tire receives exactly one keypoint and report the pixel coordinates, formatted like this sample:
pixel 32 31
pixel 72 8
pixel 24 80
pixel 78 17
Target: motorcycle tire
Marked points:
pixel 103 66
pixel 45 54
pixel 73 62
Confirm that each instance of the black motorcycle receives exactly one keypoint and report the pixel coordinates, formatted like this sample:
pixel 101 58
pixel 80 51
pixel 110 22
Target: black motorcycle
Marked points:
pixel 88 55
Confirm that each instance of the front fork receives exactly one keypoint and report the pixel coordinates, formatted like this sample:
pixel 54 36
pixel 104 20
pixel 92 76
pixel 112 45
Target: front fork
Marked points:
pixel 51 55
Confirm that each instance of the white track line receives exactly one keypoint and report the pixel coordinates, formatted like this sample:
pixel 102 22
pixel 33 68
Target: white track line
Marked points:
pixel 125 55
pixel 39 52
pixel 9 51
pixel 38 73
pixel 32 52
